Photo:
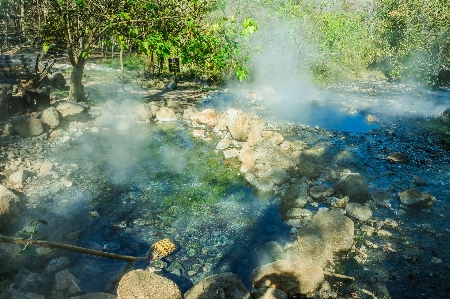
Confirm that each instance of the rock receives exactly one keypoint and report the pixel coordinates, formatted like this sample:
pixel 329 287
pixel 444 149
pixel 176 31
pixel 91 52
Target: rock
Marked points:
pixel 279 175
pixel 445 116
pixel 27 126
pixel 354 186
pixel 50 117
pixel 231 153
pixel 66 282
pixel 45 168
pixel 360 212
pixel 143 112
pixel 291 277
pixel 240 125
pixel 397 158
pixel 335 228
pixel 225 285
pixel 299 213
pixel 269 293
pixel 18 177
pixel 9 211
pixel 58 264
pixel 95 296
pixel 188 112
pixel 165 114
pixel 381 198
pixel 320 191
pixel 206 117
pixel 57 81
pixel 308 169
pixel 296 196
pixel 70 109
pixel 416 198
pixel 145 284
pixel 310 247
pixel 259 136
pixel 337 202
pixel 261 182
pixel 13 294
pixel 223 144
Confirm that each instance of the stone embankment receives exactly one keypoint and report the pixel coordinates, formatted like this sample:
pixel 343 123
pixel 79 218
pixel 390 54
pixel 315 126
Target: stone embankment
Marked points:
pixel 321 203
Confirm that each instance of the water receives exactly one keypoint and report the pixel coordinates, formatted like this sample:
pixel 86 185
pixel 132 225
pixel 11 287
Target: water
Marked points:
pixel 149 183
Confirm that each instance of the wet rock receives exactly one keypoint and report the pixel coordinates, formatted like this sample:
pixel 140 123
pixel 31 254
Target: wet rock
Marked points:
pixel 269 293
pixel 95 296
pixel 416 198
pixel 27 126
pixel 358 211
pixel 381 198
pixel 310 247
pixel 354 186
pixel 337 202
pixel 335 228
pixel 279 175
pixel 50 117
pixel 223 144
pixel 66 282
pixel 45 168
pixel 145 284
pixel 231 153
pixel 275 249
pixel 165 114
pixel 143 112
pixel 397 158
pixel 70 109
pixel 298 213
pixel 296 196
pixel 206 117
pixel 308 169
pixel 57 81
pixel 13 294
pixel 321 191
pixel 291 277
pixel 240 125
pixel 225 285
pixel 58 264
pixel 262 183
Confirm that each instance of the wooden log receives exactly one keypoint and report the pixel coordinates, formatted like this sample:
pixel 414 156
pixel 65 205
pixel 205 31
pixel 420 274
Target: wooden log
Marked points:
pixel 24 67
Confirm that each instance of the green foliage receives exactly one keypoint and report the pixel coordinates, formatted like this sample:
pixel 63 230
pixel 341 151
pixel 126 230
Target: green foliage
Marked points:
pixel 413 38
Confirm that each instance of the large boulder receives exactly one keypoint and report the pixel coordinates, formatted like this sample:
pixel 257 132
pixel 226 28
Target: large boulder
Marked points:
pixel 148 285
pixel 225 285
pixel 206 117
pixel 57 81
pixel 50 117
pixel 269 293
pixel 295 196
pixel 311 247
pixel 9 211
pixel 354 186
pixel 143 112
pixel 240 124
pixel 291 277
pixel 416 198
pixel 27 126
pixel 70 109
pixel 95 296
pixel 166 114
pixel 334 227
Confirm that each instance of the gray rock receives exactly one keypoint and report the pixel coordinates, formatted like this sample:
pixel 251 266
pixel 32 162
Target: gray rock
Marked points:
pixel 58 264
pixel 9 211
pixel 70 109
pixel 337 202
pixel 298 213
pixel 416 198
pixel 397 157
pixel 219 286
pixel 57 80
pixel 65 281
pixel 358 211
pixel 13 294
pixel 321 191
pixel 354 186
pixel 311 247
pixel 95 296
pixel 50 116
pixel 27 126
pixel 335 228
pixel 143 112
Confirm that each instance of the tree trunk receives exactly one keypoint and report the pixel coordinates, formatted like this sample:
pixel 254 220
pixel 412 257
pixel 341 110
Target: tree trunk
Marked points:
pixel 121 65
pixel 76 92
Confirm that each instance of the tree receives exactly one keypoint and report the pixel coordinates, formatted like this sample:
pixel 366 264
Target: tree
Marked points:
pixel 76 25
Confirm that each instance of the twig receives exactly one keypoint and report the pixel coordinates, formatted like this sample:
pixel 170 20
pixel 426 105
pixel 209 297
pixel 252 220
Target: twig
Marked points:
pixel 20 241
pixel 339 275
